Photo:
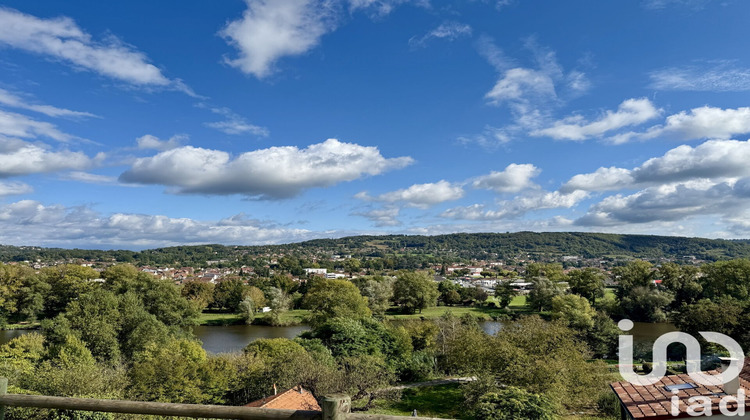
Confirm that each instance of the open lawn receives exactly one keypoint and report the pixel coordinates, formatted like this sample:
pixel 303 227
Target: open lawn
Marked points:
pixel 293 317
pixel 22 326
pixel 438 311
pixel 443 401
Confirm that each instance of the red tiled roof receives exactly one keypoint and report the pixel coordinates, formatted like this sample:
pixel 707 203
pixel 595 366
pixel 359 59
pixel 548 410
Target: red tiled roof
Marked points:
pixel 654 402
pixel 296 398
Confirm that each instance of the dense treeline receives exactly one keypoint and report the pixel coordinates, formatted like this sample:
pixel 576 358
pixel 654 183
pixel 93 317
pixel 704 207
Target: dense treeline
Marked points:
pixel 128 337
pixel 122 333
pixel 410 252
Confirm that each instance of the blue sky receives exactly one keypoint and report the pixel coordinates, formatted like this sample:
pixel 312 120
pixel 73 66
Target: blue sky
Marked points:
pixel 141 124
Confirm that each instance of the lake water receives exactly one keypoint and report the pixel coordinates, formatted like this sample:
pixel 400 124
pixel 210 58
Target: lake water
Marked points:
pixel 7 335
pixel 232 338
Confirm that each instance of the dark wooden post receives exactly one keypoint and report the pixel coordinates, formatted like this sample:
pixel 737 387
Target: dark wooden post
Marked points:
pixel 3 391
pixel 335 407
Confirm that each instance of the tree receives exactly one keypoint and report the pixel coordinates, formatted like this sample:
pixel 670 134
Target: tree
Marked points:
pixel 634 274
pixel 727 278
pixel 646 304
pixel 379 294
pixel 542 292
pixel 414 291
pixel 574 310
pixel 682 281
pixel 352 265
pixel 513 403
pixel 67 282
pixel 505 292
pixel 229 293
pixel 332 298
pixel 588 282
pixel 279 303
pixel 199 292
pixel 176 372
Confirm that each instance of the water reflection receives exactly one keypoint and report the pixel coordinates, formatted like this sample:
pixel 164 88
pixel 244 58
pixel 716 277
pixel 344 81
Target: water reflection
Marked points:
pixel 230 338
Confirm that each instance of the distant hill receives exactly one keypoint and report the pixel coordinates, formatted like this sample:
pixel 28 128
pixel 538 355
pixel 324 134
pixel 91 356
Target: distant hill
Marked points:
pixel 440 247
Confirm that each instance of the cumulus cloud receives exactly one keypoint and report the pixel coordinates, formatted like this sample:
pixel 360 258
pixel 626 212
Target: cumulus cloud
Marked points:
pixel 149 141
pixel 235 124
pixel 382 217
pixel 420 195
pixel 603 179
pixel 713 159
pixel 630 112
pixel 670 202
pixel 59 225
pixel 15 101
pixel 517 206
pixel 269 30
pixel 514 178
pixel 276 172
pixel 698 123
pixel 21 158
pixel 14 188
pixel 449 31
pixel 61 38
pixel 720 76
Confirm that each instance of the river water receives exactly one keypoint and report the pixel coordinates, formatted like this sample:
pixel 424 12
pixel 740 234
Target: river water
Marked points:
pixel 226 339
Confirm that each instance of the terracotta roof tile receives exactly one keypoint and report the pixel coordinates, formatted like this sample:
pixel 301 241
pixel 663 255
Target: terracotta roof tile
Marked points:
pixel 653 402
pixel 296 398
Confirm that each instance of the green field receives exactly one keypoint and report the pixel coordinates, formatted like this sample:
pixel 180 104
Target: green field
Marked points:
pixel 293 317
pixel 444 401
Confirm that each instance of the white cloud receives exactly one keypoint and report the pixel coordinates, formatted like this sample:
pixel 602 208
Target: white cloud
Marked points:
pixel 152 142
pixel 713 159
pixel 276 172
pixel 22 158
pixel 58 225
pixel 234 124
pixel 62 39
pixel 90 178
pixel 670 202
pixel 382 217
pixel 269 30
pixel 531 93
pixel 17 125
pixel 698 123
pixel 15 101
pixel 514 178
pixel 720 76
pixel 449 31
pixel 420 195
pixel 490 138
pixel 663 4
pixel 517 206
pixel 520 84
pixel 603 179
pixel 630 112
pixel 14 188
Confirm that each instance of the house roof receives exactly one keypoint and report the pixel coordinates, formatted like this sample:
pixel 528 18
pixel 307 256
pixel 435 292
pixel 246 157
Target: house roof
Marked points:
pixel 296 398
pixel 654 402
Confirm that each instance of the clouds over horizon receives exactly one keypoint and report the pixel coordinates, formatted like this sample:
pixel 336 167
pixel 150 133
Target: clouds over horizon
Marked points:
pixel 272 173
pixel 60 225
